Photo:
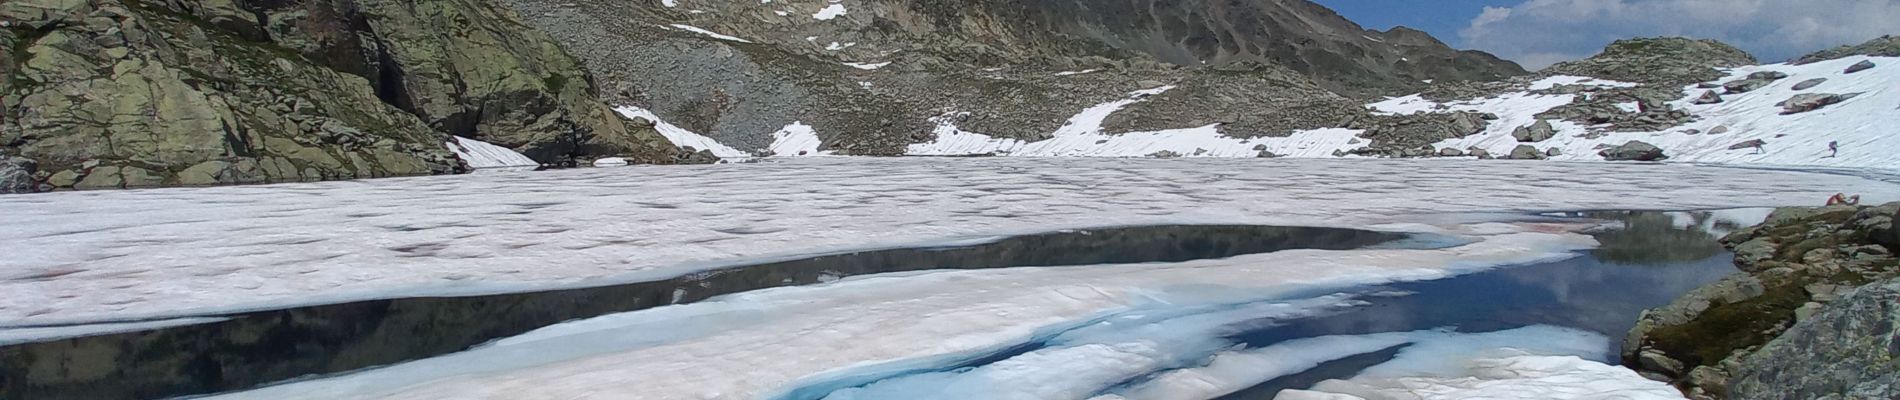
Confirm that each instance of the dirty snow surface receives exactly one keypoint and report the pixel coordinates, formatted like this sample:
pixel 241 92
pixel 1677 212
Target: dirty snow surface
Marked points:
pixel 1142 331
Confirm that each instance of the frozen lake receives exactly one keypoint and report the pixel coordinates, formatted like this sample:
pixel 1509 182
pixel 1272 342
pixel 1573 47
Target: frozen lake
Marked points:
pixel 1157 327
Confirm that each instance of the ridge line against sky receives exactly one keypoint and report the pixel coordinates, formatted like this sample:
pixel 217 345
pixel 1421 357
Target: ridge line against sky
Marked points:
pixel 1537 33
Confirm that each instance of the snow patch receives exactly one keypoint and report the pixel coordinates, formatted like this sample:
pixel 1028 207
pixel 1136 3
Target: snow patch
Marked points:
pixel 714 35
pixel 868 66
pixel 796 139
pixel 1533 362
pixel 679 136
pixel 482 155
pixel 831 11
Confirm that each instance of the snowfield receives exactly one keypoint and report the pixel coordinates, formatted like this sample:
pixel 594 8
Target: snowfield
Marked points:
pixel 120 256
pixel 484 156
pixel 1867 127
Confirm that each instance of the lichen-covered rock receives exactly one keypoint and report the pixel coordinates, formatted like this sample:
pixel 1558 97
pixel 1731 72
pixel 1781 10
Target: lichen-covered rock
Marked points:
pixel 1634 150
pixel 121 93
pixel 1753 81
pixel 1716 340
pixel 1846 351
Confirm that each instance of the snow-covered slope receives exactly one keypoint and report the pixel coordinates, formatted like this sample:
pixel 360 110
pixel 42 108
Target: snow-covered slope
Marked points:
pixel 1082 136
pixel 482 155
pixel 1867 127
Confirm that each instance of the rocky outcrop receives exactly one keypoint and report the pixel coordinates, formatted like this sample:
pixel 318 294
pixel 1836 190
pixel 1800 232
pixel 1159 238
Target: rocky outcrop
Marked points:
pixel 1845 351
pixel 123 93
pixel 1634 150
pixel 1413 135
pixel 1884 46
pixel 1780 326
pixel 1660 61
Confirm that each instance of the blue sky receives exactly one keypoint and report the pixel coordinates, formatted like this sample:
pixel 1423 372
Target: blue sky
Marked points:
pixel 1537 33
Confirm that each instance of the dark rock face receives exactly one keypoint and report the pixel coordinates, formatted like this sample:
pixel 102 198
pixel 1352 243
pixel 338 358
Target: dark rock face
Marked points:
pixel 1884 46
pixel 1782 326
pixel 268 91
pixel 16 175
pixel 1662 61
pixel 1634 150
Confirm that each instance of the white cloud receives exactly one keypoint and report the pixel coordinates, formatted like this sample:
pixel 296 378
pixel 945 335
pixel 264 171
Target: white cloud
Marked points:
pixel 1540 32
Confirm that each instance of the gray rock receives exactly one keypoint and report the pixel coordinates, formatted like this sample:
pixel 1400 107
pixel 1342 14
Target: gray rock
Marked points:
pixel 1450 152
pixel 1479 153
pixel 1860 66
pixel 1526 152
pixel 1751 143
pixel 1806 102
pixel 1634 150
pixel 1845 350
pixel 1718 130
pixel 1709 97
pixel 1809 84
pixel 1536 132
pixel 1553 152
pixel 1164 154
pixel 16 175
pixel 1656 361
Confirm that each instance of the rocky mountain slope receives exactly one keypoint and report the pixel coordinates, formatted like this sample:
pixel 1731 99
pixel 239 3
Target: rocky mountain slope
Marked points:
pixel 1812 314
pixel 128 93
pixel 874 77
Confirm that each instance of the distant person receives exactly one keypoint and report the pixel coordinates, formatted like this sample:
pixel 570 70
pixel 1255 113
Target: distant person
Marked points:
pixel 1842 199
pixel 1833 149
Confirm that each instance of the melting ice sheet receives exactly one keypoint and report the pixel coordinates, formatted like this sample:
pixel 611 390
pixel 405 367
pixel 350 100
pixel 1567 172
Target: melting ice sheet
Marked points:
pixel 910 335
pixel 185 252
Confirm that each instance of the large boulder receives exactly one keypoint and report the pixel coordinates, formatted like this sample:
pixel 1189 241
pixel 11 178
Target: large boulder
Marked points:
pixel 1526 152
pixel 1634 150
pixel 1536 132
pixel 1806 102
pixel 1863 65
